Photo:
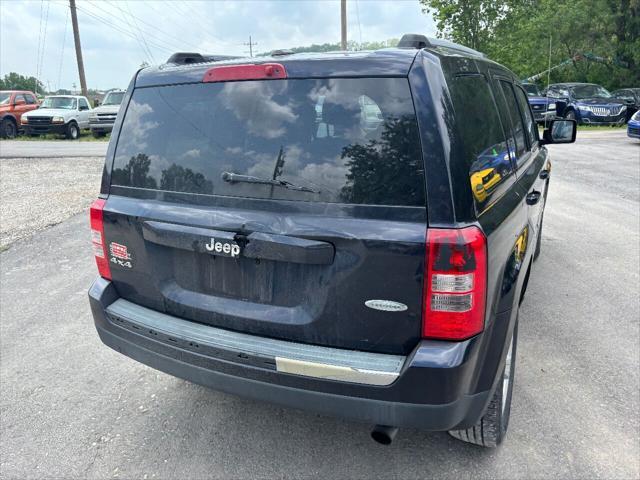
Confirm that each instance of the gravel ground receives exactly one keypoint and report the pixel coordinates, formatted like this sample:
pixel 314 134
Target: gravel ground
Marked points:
pixel 39 192
pixel 72 408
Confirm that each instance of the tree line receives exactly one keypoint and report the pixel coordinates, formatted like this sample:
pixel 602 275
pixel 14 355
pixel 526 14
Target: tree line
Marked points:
pixel 598 39
pixel 15 81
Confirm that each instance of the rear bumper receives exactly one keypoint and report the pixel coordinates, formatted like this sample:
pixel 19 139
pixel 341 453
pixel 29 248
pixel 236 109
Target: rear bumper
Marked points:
pixel 442 385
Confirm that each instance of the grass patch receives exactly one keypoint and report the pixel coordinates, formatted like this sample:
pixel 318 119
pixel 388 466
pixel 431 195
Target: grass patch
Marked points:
pixel 594 128
pixel 602 127
pixel 85 136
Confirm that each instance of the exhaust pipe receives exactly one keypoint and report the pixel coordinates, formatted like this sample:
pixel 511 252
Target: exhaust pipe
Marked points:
pixel 384 434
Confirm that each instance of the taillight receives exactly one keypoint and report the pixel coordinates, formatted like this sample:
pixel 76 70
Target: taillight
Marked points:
pixel 455 283
pixel 263 71
pixel 97 238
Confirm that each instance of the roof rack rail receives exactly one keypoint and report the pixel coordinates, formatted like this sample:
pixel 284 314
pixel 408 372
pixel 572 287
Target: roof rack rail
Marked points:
pixel 282 52
pixel 415 40
pixel 185 58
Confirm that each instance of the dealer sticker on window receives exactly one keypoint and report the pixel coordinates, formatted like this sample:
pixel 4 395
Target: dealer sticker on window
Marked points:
pixel 119 255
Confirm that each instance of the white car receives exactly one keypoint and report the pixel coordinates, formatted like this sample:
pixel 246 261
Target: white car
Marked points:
pixel 102 118
pixel 62 114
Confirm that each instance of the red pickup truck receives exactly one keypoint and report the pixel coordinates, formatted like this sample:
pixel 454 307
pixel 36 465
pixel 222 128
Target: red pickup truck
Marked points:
pixel 13 103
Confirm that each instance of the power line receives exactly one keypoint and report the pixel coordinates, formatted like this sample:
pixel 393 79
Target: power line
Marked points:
pixel 126 4
pixel 154 27
pixel 359 27
pixel 193 15
pixel 343 24
pixel 38 52
pixel 157 41
pixel 44 40
pixel 64 40
pixel 119 29
pixel 146 53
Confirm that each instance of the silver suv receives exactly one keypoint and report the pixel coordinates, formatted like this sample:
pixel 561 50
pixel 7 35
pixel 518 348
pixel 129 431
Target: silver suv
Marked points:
pixel 103 117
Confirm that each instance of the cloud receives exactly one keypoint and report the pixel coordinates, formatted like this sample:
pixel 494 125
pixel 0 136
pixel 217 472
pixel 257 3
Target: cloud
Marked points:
pixel 253 103
pixel 118 36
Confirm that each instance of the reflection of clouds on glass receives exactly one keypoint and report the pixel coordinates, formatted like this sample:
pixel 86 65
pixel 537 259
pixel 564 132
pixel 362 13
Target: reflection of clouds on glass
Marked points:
pixel 337 93
pixel 337 136
pixel 193 153
pixel 265 163
pixel 253 103
pixel 138 127
pixel 393 103
pixel 299 167
pixel 331 173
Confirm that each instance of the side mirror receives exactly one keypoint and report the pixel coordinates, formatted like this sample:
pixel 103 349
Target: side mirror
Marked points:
pixel 83 107
pixel 560 131
pixel 20 102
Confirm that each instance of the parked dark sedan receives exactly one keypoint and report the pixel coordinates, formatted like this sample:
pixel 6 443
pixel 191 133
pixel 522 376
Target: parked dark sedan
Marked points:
pixel 631 97
pixel 587 103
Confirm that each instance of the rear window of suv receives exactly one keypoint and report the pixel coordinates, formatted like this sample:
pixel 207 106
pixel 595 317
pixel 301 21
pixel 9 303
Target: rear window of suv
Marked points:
pixel 324 140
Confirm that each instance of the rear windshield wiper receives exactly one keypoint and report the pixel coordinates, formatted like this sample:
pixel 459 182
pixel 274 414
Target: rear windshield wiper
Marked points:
pixel 237 178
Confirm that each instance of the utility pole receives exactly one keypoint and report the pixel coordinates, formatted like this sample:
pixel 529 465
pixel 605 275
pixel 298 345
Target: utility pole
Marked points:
pixel 343 24
pixel 251 45
pixel 76 39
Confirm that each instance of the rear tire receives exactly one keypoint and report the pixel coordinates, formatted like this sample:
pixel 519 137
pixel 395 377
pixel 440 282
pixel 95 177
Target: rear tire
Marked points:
pixel 491 430
pixel 73 131
pixel 8 129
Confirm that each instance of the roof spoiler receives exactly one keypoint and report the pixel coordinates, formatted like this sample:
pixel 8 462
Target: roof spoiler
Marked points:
pixel 415 40
pixel 185 58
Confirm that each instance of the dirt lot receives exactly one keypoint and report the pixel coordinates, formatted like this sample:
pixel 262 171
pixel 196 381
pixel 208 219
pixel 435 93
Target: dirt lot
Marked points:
pixel 36 193
pixel 72 408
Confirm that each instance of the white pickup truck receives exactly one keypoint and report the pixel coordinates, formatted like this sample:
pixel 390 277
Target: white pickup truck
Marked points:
pixel 102 118
pixel 62 114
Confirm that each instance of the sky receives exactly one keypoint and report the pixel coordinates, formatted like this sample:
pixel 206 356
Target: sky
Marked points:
pixel 36 37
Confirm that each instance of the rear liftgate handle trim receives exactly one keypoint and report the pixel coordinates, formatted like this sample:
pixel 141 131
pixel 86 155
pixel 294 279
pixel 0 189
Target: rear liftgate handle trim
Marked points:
pixel 265 246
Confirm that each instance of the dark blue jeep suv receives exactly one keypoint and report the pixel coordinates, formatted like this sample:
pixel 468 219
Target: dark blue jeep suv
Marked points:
pixel 350 233
pixel 587 103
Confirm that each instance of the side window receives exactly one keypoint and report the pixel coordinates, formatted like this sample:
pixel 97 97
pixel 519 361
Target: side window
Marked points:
pixel 83 104
pixel 484 148
pixel 519 145
pixel 18 98
pixel 30 99
pixel 624 95
pixel 529 122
